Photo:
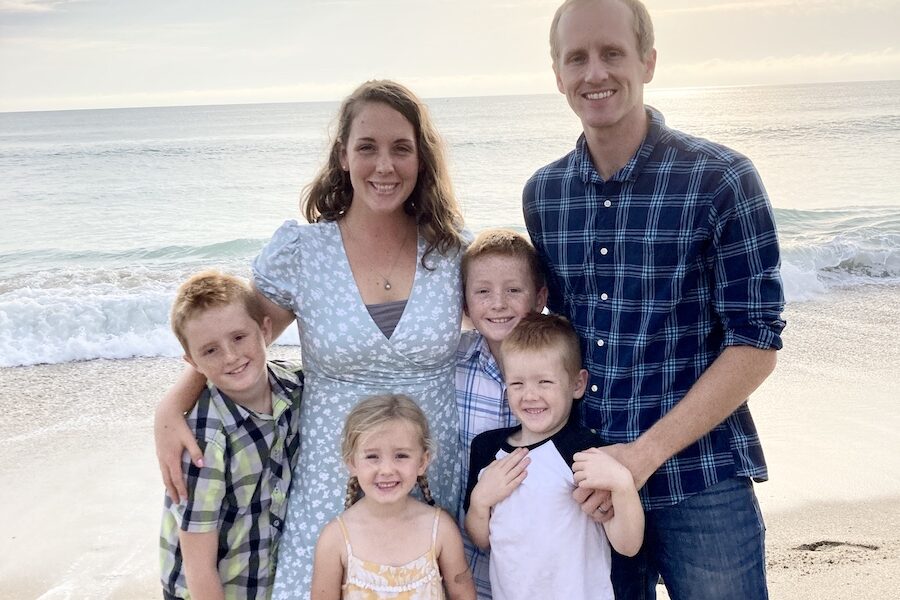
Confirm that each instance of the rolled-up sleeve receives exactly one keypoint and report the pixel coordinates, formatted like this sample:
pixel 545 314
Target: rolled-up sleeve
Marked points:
pixel 748 294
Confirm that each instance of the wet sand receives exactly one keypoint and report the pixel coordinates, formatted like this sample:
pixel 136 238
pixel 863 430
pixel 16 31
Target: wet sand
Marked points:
pixel 82 496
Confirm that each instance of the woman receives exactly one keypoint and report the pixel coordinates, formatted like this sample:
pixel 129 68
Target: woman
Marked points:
pixel 373 282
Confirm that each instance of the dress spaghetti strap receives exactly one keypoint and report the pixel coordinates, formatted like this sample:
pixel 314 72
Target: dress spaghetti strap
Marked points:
pixel 346 536
pixel 434 528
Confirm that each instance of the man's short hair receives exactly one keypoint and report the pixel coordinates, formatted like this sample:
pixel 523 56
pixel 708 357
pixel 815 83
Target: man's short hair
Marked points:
pixel 543 333
pixel 211 289
pixel 643 26
pixel 503 242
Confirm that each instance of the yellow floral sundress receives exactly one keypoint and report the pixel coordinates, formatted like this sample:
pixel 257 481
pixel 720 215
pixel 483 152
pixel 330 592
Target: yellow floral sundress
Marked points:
pixel 419 579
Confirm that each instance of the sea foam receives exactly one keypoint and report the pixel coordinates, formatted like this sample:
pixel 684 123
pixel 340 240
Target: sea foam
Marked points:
pixel 93 320
pixel 62 315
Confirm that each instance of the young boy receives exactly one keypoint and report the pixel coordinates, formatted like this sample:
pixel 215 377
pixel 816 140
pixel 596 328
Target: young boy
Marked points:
pixel 542 544
pixel 502 282
pixel 221 542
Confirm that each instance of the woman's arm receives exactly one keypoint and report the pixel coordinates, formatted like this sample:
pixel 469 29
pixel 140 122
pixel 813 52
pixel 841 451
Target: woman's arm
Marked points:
pixel 328 568
pixel 452 561
pixel 173 436
pixel 280 317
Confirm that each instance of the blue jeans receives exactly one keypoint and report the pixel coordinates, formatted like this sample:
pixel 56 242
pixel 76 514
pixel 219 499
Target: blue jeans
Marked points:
pixel 708 547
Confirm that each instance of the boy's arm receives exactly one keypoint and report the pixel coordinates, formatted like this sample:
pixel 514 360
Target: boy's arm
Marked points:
pixel 200 553
pixel 452 561
pixel 328 568
pixel 594 468
pixel 478 525
pixel 498 480
pixel 173 436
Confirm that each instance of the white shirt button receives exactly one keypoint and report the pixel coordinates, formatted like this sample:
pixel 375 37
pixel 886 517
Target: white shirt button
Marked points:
pixel 593 388
pixel 604 251
pixel 603 296
pixel 607 203
pixel 600 342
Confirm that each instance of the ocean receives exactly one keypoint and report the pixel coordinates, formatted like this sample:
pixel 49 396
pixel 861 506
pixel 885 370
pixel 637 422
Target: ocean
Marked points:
pixel 104 212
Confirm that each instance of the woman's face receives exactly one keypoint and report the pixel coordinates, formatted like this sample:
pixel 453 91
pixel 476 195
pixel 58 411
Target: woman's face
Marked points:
pixel 382 159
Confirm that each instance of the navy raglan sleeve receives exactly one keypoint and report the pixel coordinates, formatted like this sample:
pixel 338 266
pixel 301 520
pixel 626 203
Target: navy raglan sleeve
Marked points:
pixel 572 440
pixel 484 451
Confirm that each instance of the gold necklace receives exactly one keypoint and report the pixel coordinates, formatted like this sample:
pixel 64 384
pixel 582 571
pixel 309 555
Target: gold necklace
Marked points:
pixel 387 280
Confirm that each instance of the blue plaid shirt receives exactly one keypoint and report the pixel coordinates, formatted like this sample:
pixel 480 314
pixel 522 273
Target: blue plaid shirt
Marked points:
pixel 481 400
pixel 660 268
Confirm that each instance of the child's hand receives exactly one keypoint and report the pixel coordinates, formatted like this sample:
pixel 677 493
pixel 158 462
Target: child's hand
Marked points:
pixel 500 478
pixel 598 470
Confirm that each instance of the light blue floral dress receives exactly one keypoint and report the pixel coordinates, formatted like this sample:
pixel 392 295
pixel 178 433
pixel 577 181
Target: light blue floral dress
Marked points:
pixel 346 358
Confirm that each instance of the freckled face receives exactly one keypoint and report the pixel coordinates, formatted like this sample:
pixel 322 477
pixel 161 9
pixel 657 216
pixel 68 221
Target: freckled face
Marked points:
pixel 229 348
pixel 382 158
pixel 500 290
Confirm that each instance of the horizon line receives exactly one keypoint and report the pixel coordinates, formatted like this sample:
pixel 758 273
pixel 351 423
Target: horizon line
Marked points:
pixel 432 98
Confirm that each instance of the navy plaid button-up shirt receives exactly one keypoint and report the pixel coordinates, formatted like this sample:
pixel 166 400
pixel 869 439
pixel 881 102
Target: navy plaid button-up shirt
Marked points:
pixel 660 268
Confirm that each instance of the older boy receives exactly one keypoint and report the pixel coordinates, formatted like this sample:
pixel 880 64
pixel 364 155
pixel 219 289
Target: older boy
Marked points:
pixel 502 282
pixel 221 542
pixel 542 544
pixel 661 249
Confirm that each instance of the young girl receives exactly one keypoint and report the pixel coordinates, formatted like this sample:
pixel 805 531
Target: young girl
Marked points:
pixel 388 544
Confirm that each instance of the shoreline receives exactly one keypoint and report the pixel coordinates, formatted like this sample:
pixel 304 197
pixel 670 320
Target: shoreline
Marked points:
pixel 84 498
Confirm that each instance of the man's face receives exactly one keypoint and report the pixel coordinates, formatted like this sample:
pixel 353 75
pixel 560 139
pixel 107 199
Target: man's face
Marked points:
pixel 599 67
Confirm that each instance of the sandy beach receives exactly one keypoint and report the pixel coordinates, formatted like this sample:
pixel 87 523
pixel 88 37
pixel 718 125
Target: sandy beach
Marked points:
pixel 82 497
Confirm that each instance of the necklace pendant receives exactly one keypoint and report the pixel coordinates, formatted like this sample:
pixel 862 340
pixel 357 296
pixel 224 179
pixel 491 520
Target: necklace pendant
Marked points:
pixel 387 285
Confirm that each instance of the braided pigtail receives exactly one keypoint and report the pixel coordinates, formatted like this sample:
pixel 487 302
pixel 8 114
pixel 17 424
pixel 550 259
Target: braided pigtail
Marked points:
pixel 422 480
pixel 353 492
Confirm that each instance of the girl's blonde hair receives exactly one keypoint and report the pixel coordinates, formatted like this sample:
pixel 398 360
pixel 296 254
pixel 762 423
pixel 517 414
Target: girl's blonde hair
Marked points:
pixel 431 202
pixel 374 412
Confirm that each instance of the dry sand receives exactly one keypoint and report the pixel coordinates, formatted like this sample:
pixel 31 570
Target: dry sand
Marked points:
pixel 82 496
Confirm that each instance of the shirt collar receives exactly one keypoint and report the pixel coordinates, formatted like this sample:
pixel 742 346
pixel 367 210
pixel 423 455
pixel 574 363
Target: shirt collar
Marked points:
pixel 485 357
pixel 479 347
pixel 234 415
pixel 480 353
pixel 585 166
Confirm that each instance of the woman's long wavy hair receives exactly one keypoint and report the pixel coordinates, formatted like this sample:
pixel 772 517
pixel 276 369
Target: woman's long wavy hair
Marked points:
pixel 431 202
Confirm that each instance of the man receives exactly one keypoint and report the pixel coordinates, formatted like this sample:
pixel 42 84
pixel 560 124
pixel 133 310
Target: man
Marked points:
pixel 661 249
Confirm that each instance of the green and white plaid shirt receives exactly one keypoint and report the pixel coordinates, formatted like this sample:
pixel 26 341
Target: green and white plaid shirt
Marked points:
pixel 242 489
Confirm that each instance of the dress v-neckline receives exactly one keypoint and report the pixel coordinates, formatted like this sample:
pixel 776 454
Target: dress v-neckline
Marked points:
pixel 361 305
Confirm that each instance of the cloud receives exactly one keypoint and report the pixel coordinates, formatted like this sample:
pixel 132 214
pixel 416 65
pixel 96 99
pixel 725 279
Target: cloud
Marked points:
pixel 797 6
pixel 33 6
pixel 800 68
pixel 63 45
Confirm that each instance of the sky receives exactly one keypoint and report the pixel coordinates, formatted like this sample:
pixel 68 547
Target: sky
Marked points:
pixel 67 54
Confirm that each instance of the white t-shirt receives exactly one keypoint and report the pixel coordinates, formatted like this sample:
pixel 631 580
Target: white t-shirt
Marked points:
pixel 542 544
